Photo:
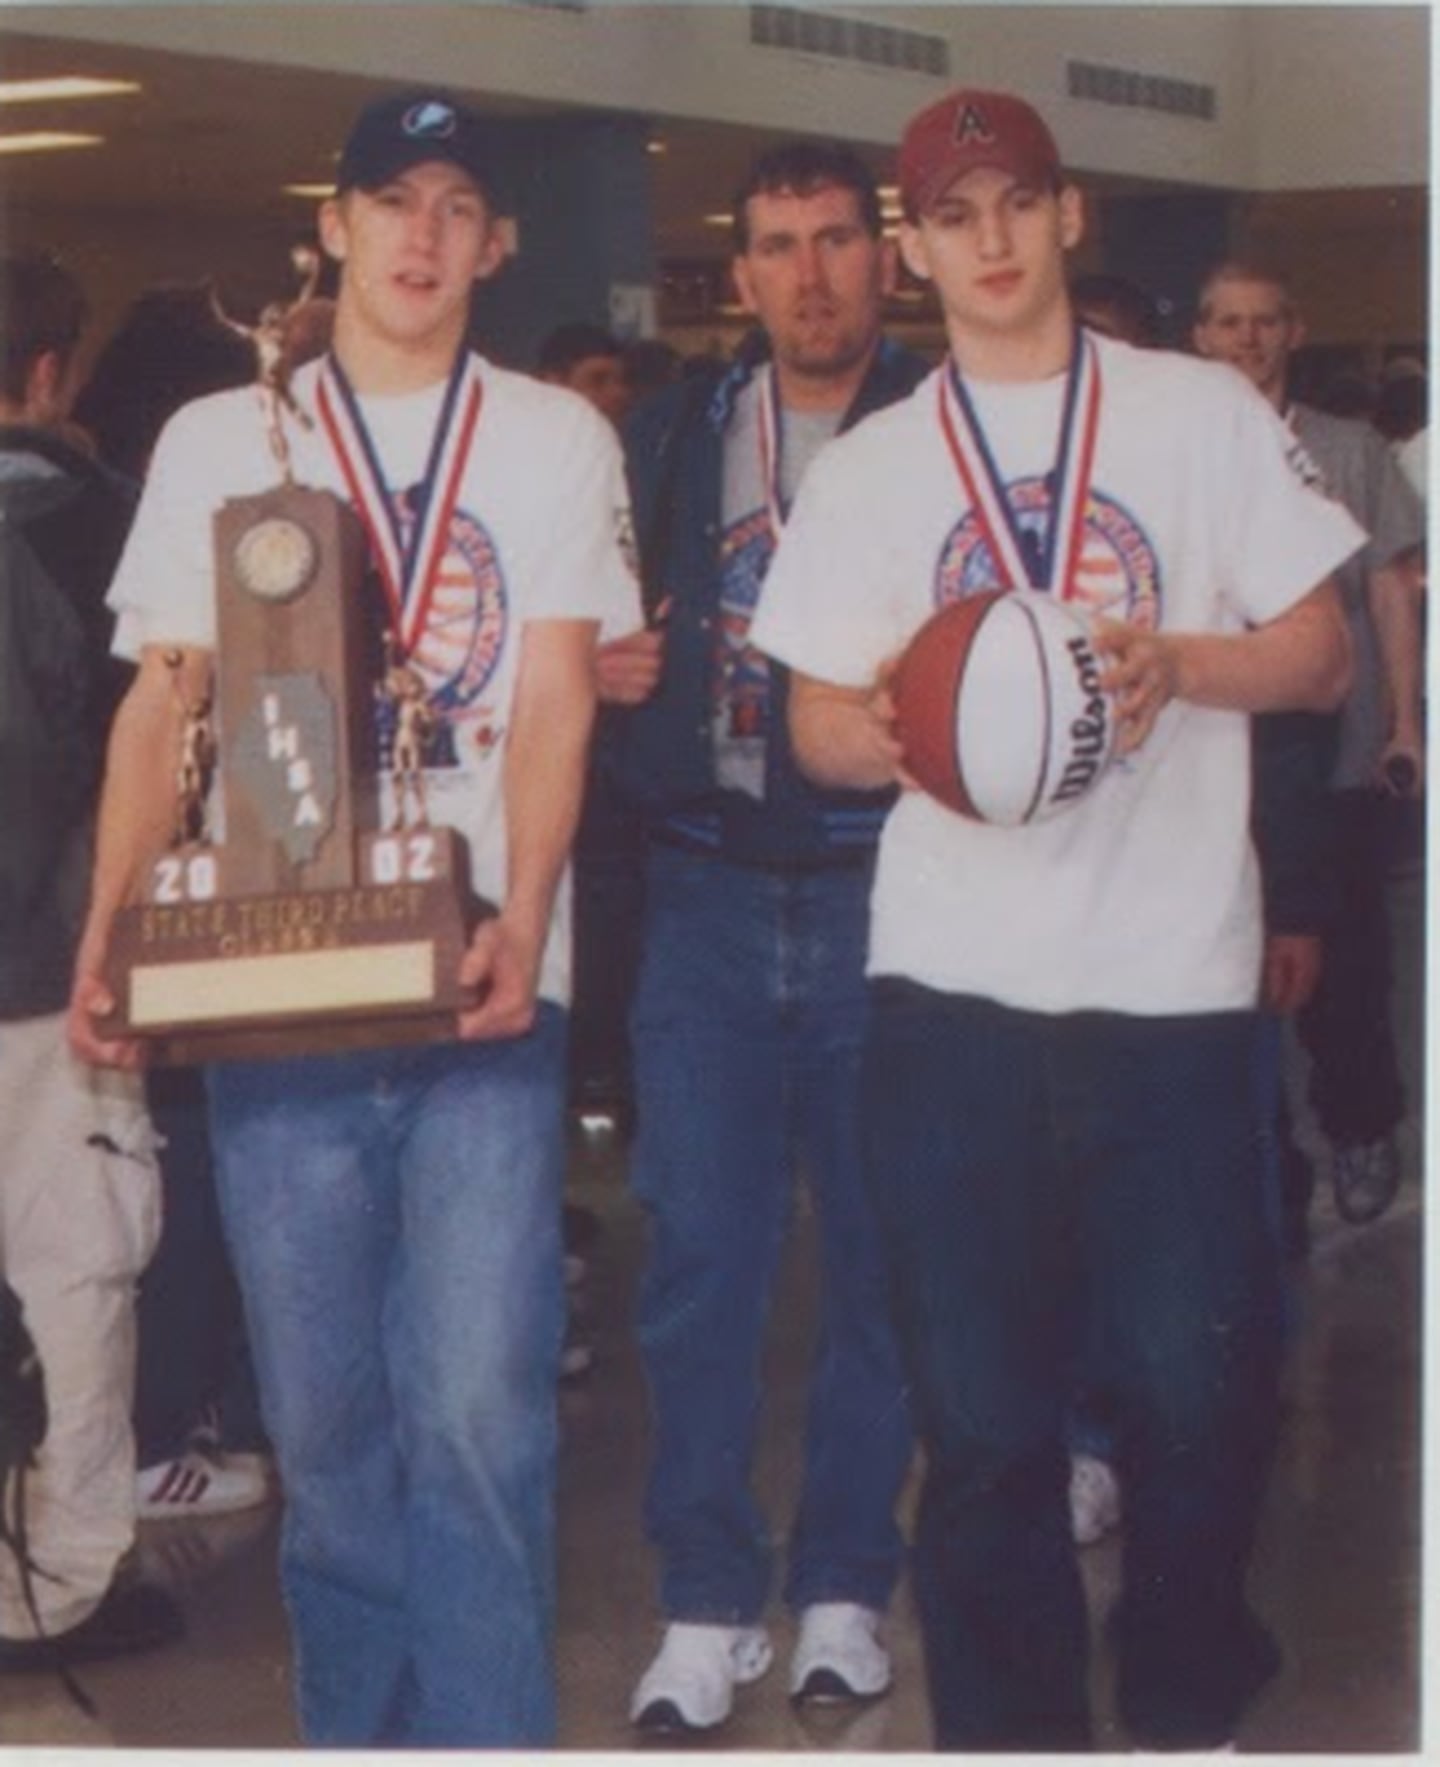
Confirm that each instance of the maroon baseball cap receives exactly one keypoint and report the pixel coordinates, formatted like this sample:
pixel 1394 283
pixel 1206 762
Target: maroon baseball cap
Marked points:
pixel 966 131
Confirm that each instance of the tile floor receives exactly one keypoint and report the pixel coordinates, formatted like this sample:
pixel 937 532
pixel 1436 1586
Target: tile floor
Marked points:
pixel 1338 1571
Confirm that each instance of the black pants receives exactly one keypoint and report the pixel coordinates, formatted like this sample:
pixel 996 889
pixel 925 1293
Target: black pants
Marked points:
pixel 192 1346
pixel 1355 1081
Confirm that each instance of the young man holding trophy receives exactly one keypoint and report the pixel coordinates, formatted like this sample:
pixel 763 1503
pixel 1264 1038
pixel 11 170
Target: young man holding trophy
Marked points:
pixel 393 1210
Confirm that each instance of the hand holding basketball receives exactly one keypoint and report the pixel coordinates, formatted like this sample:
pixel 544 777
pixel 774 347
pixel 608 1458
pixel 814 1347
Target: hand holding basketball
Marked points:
pixel 1001 709
pixel 882 709
pixel 1142 675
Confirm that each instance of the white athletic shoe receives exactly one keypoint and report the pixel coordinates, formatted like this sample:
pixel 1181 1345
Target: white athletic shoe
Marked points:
pixel 839 1654
pixel 201 1484
pixel 691 1683
pixel 1094 1499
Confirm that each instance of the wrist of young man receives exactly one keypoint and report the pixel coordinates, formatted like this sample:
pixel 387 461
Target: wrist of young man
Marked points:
pixel 525 919
pixel 1184 653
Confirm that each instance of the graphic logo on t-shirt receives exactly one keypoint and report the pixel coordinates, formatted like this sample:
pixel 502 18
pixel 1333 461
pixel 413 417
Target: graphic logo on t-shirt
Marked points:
pixel 1118 576
pixel 460 649
pixel 742 673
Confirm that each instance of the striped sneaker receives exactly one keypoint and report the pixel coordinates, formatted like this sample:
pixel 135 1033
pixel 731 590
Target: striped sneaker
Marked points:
pixel 200 1484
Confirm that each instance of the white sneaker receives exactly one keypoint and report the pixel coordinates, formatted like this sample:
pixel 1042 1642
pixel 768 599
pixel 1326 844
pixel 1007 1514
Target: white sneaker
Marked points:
pixel 1094 1499
pixel 839 1654
pixel 691 1683
pixel 201 1484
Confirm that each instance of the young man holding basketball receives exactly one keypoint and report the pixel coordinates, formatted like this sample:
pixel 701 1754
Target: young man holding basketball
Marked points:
pixel 1058 1104
pixel 394 1214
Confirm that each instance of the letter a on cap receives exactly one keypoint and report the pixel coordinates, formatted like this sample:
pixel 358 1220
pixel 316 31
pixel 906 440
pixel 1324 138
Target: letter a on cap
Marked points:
pixel 971 125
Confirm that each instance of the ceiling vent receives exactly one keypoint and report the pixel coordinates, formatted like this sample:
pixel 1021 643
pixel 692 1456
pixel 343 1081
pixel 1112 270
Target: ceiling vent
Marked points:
pixel 848 39
pixel 1123 86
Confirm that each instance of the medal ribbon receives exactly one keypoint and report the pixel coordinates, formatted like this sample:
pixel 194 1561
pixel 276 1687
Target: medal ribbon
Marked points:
pixel 411 572
pixel 1068 480
pixel 770 443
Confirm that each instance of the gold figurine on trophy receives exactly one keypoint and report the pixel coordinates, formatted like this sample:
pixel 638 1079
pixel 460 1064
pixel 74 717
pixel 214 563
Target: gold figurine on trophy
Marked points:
pixel 196 767
pixel 403 689
pixel 273 339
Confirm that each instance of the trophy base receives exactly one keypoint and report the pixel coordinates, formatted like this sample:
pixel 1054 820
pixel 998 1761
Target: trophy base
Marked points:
pixel 301 972
pixel 273 1042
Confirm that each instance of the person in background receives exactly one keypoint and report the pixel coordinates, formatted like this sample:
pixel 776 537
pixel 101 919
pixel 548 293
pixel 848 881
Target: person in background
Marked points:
pixel 1413 459
pixel 79 1183
pixel 589 361
pixel 750 1006
pixel 1115 307
pixel 1247 316
pixel 651 365
pixel 200 1446
pixel 1403 404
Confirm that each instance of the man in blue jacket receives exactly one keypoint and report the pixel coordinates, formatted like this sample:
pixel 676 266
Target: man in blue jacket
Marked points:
pixel 750 999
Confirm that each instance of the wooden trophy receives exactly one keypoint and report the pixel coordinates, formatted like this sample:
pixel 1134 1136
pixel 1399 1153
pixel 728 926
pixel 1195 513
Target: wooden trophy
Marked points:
pixel 307 927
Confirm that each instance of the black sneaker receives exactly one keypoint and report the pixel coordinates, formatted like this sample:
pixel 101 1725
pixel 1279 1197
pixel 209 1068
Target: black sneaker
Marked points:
pixel 1366 1180
pixel 132 1617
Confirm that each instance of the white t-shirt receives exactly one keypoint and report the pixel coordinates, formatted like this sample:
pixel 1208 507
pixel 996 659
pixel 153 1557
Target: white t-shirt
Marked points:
pixel 537 534
pixel 1142 898
pixel 1413 458
pixel 743 701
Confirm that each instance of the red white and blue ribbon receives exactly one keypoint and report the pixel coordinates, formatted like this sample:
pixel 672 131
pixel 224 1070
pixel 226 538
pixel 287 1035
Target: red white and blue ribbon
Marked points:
pixel 409 572
pixel 1055 568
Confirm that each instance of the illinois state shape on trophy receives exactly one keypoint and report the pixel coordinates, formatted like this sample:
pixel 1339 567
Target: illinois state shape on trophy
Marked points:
pixel 306 925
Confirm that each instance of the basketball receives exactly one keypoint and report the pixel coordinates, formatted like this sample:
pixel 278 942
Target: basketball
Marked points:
pixel 999 707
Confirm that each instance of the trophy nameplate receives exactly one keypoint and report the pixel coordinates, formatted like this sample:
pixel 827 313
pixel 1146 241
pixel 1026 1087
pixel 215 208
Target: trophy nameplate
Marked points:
pixel 307 927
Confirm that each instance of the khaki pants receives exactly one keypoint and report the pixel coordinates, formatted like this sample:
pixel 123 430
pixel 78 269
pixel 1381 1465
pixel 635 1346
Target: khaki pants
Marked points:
pixel 79 1217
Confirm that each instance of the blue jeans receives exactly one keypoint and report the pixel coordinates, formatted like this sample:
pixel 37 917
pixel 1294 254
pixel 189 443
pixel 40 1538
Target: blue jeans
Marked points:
pixel 1032 1172
pixel 394 1220
pixel 748 1026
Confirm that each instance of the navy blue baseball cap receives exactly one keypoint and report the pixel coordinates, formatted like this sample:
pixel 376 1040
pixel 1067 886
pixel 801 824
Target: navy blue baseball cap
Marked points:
pixel 393 134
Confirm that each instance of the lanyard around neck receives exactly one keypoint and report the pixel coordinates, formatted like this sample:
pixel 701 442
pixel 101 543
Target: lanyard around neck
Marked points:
pixel 1051 567
pixel 410 570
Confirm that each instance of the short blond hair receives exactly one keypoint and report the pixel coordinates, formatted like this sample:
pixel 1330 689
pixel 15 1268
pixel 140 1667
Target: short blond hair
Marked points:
pixel 1243 270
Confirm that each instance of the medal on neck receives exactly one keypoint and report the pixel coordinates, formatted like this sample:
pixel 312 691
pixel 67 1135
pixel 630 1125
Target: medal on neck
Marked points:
pixel 409 572
pixel 1022 559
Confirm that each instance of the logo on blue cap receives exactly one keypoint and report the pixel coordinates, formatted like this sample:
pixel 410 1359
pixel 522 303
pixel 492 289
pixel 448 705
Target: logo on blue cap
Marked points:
pixel 430 120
